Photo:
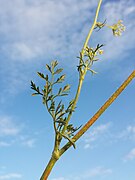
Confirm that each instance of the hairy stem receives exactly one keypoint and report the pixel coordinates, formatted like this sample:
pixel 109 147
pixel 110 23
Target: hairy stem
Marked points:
pixel 99 112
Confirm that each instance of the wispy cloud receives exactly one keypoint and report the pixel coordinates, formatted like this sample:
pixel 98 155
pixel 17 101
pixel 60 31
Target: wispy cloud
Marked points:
pixel 4 144
pixel 96 134
pixel 10 176
pixel 38 32
pixel 28 142
pixel 104 132
pixel 12 133
pixel 8 127
pixel 130 155
pixel 127 134
pixel 94 172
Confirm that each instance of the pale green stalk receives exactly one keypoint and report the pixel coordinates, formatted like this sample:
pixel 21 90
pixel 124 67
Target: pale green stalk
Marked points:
pixel 56 152
pixel 85 70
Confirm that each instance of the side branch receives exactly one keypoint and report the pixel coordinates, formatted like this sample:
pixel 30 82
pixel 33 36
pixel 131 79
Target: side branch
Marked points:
pixel 99 112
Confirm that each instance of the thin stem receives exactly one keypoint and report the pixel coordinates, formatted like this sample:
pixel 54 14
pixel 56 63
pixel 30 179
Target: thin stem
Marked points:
pixel 92 28
pixel 99 112
pixel 82 75
pixel 85 70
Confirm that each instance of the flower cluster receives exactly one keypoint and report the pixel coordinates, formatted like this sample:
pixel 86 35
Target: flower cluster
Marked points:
pixel 118 28
pixel 100 25
pixel 91 53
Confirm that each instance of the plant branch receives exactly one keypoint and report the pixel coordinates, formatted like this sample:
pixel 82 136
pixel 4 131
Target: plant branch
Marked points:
pixel 99 112
pixel 82 75
pixel 92 28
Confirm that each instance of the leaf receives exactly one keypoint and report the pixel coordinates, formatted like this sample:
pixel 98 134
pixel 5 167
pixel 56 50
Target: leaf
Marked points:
pixel 46 78
pixel 60 111
pixel 41 75
pixel 64 94
pixel 50 98
pixel 66 88
pixel 70 103
pixel 58 71
pixel 54 64
pixel 52 107
pixel 48 67
pixel 34 94
pixel 60 91
pixel 62 121
pixel 33 86
pixel 60 79
pixel 58 107
pixel 60 115
pixel 93 72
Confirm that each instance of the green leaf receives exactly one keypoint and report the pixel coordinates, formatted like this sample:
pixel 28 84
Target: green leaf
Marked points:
pixel 60 91
pixel 64 94
pixel 61 121
pixel 58 71
pixel 50 98
pixel 33 86
pixel 34 94
pixel 93 72
pixel 70 103
pixel 54 64
pixel 61 78
pixel 41 75
pixel 66 88
pixel 46 77
pixel 60 111
pixel 61 115
pixel 48 67
pixel 52 107
pixel 58 107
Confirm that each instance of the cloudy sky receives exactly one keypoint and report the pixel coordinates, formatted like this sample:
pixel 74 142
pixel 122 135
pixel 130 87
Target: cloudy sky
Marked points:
pixel 32 33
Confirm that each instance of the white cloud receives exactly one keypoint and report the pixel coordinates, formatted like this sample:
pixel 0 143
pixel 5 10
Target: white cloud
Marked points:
pixel 96 134
pixel 8 127
pixel 29 143
pixel 130 155
pixel 98 171
pixel 42 30
pixel 94 172
pixel 4 144
pixel 60 178
pixel 127 134
pixel 11 176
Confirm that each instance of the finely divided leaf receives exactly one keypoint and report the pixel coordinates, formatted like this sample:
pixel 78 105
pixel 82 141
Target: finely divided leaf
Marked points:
pixel 58 71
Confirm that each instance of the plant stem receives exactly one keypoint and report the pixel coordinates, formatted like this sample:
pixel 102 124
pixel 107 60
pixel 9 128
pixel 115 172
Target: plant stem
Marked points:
pixel 48 169
pixel 92 28
pixel 58 141
pixel 99 112
pixel 82 76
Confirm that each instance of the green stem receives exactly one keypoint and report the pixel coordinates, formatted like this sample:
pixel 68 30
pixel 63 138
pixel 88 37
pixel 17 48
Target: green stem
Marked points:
pixel 99 112
pixel 92 28
pixel 48 169
pixel 82 75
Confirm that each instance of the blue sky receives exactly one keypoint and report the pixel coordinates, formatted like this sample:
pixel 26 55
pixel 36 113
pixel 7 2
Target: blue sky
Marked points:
pixel 32 33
